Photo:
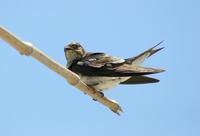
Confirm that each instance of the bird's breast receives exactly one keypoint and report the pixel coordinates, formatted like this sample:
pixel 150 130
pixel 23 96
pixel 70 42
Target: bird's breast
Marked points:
pixel 102 83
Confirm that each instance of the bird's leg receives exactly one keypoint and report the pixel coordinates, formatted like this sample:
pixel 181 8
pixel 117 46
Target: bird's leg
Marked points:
pixel 101 93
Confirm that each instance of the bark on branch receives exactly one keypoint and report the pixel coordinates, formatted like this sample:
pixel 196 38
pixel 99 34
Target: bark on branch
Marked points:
pixel 26 48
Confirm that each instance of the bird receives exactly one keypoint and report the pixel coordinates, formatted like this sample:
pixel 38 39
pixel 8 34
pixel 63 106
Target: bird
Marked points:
pixel 102 71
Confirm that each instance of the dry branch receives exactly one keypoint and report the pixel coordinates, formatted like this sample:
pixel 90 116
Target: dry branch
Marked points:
pixel 29 50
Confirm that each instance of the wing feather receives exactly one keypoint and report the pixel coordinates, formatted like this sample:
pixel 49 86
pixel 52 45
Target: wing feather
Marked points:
pixel 100 64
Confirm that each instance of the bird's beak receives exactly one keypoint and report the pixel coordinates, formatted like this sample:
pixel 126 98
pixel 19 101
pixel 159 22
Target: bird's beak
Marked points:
pixel 67 48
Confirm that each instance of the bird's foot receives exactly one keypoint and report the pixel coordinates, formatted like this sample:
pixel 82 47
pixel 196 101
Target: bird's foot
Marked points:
pixel 101 93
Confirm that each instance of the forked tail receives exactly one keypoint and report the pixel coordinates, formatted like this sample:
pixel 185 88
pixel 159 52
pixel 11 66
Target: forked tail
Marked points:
pixel 139 59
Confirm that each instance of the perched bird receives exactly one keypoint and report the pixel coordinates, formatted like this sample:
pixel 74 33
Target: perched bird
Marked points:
pixel 102 71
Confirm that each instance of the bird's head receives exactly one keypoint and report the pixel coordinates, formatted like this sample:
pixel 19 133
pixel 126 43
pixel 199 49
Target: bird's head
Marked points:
pixel 73 51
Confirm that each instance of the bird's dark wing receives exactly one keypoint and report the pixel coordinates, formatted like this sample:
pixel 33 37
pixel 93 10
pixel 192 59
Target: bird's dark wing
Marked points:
pixel 140 80
pixel 99 60
pixel 100 64
pixel 132 70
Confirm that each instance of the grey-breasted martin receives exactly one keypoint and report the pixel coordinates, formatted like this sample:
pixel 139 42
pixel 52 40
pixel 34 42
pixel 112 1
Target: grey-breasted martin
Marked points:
pixel 102 71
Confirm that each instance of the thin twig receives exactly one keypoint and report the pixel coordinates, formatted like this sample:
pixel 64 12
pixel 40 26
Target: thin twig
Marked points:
pixel 29 50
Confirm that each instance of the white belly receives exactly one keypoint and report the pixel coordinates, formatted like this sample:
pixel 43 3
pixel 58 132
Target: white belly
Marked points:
pixel 102 83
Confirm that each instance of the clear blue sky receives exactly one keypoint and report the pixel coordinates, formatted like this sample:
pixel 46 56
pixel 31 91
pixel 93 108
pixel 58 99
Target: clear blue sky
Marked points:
pixel 34 101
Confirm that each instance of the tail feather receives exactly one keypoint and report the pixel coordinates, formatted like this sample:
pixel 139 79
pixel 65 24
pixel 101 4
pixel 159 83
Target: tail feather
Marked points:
pixel 137 60
pixel 140 80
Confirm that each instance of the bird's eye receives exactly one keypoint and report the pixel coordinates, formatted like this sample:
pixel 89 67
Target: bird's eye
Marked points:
pixel 74 46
